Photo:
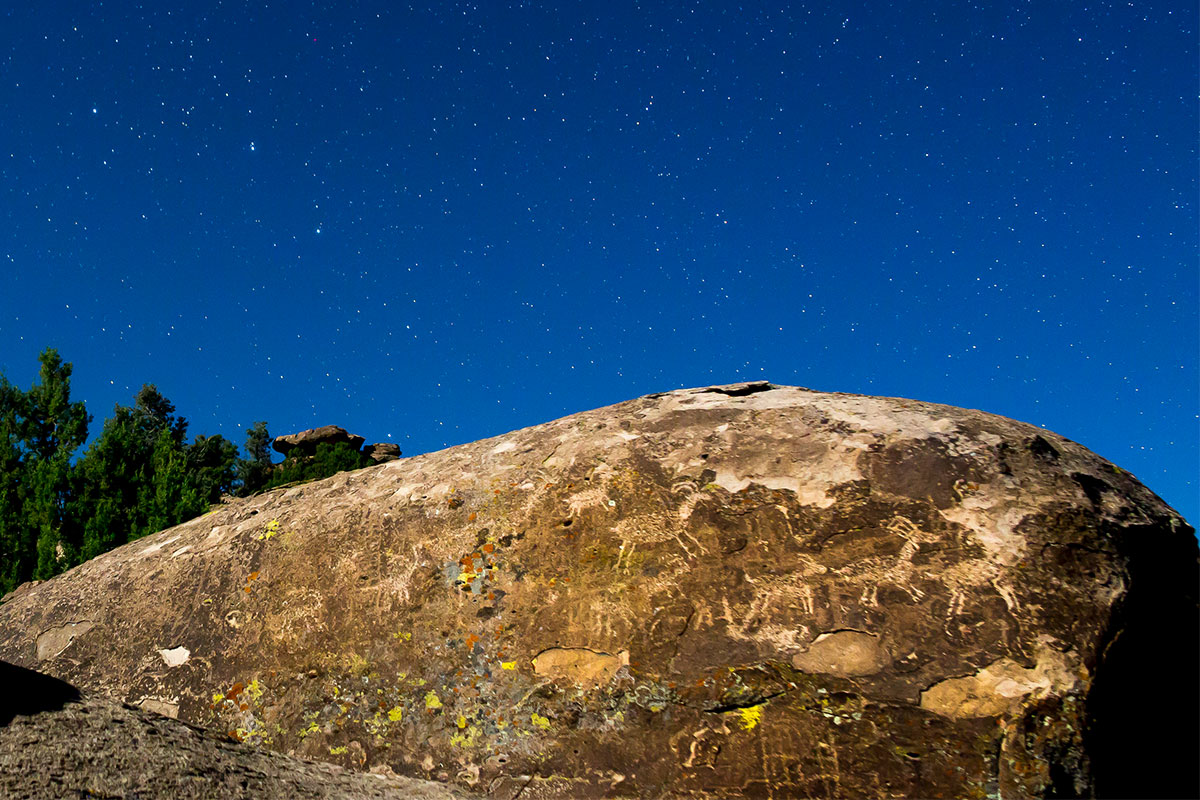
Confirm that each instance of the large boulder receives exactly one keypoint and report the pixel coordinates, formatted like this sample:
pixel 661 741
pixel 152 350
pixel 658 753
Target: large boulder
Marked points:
pixel 737 591
pixel 306 441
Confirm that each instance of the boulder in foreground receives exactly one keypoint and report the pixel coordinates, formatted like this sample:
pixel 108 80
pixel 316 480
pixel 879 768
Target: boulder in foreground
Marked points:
pixel 57 744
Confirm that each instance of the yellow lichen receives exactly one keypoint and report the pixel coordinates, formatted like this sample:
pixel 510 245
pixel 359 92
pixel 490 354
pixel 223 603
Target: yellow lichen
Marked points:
pixel 312 728
pixel 271 529
pixel 337 751
pixel 508 665
pixel 356 664
pixel 467 739
pixel 461 721
pixel 540 721
pixel 751 716
pixel 432 701
pixel 396 714
pixel 218 697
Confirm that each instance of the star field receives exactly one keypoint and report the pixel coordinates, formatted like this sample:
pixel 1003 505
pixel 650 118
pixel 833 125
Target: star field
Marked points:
pixel 437 223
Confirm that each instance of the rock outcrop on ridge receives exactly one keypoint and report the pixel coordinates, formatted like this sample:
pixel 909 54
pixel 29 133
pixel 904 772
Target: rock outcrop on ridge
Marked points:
pixel 55 744
pixel 381 452
pixel 737 591
pixel 306 441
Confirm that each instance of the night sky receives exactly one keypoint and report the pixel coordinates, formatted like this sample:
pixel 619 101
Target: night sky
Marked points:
pixel 437 224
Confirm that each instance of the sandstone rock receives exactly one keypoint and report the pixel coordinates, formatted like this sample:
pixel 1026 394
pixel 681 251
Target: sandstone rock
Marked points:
pixel 59 744
pixel 307 441
pixel 382 452
pixel 738 591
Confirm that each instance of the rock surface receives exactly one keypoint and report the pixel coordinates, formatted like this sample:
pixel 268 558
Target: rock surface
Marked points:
pixel 307 441
pixel 382 452
pixel 58 744
pixel 738 591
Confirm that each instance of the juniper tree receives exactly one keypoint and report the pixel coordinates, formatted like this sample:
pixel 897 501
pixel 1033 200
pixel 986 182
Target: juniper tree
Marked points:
pixel 40 430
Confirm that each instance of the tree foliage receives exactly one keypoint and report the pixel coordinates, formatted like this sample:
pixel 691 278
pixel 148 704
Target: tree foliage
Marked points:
pixel 328 459
pixel 39 432
pixel 138 476
pixel 255 472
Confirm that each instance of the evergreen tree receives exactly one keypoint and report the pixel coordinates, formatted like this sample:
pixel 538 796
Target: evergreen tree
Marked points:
pixel 110 474
pixel 328 459
pixel 13 550
pixel 169 495
pixel 40 430
pixel 212 466
pixel 137 477
pixel 255 471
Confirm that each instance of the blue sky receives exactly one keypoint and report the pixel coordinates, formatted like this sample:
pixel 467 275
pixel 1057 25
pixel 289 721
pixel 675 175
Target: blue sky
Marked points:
pixel 436 224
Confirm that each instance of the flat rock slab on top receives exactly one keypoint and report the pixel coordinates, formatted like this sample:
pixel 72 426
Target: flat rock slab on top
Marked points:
pixel 306 441
pixel 737 591
pixel 382 452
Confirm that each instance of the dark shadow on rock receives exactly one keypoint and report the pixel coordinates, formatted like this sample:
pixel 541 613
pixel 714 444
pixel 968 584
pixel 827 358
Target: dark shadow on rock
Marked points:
pixel 24 691
pixel 1142 733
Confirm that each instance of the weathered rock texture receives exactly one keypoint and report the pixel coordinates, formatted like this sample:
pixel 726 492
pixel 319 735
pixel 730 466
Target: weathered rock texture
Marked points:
pixel 55 744
pixel 382 452
pixel 736 591
pixel 306 441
